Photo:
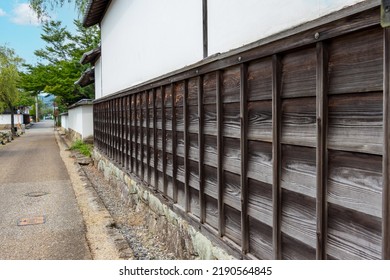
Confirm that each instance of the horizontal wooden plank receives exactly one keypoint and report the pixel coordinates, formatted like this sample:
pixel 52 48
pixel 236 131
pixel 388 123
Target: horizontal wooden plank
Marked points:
pixel 232 190
pixel 299 170
pixel 355 182
pixel 193 119
pixel 232 224
pixel 209 88
pixel 353 235
pixel 260 201
pixel 259 80
pixel 210 119
pixel 299 217
pixel 260 161
pixel 194 206
pixel 293 249
pixel 231 120
pixel 260 120
pixel 299 121
pixel 210 150
pixel 231 155
pixel 211 206
pixel 178 89
pixel 356 62
pixel 231 78
pixel 356 122
pixel 299 73
pixel 192 98
pixel 260 239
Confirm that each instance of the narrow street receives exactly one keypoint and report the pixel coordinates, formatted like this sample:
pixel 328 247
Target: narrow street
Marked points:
pixel 39 216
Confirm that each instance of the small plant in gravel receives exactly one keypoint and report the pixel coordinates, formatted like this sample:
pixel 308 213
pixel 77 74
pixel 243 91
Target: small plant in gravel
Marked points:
pixel 83 148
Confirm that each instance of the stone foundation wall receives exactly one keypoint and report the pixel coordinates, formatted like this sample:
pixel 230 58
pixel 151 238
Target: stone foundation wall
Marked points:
pixel 181 237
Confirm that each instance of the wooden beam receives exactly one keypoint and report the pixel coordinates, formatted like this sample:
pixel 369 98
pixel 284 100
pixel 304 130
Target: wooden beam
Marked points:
pixel 127 130
pixel 221 214
pixel 186 148
pixel 155 148
pixel 142 132
pixel 148 138
pixel 322 151
pixel 202 202
pixel 174 144
pixel 164 142
pixel 276 156
pixel 132 133
pixel 386 149
pixel 244 159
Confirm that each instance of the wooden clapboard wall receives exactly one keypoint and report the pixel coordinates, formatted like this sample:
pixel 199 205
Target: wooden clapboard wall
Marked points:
pixel 279 151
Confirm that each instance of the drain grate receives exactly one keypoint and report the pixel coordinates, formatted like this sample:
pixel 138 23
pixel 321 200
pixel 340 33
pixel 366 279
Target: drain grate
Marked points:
pixel 36 194
pixel 32 221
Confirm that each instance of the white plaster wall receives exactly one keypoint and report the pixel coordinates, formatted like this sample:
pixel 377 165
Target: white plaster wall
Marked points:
pixel 234 23
pixel 143 39
pixel 64 121
pixel 6 119
pixel 80 119
pixel 98 78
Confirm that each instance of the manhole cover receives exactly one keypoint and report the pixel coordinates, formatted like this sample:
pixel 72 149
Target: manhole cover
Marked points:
pixel 32 221
pixel 36 194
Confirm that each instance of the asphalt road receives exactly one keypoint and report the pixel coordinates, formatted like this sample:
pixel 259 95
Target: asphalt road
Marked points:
pixel 34 185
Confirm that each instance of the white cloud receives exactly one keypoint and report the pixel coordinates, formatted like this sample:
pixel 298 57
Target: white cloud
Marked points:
pixel 22 14
pixel 2 13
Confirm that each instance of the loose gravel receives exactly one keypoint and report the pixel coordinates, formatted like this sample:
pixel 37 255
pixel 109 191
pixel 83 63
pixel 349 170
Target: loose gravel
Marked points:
pixel 131 224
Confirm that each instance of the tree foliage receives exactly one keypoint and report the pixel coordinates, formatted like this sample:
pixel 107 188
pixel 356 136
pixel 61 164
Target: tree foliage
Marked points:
pixel 42 7
pixel 59 63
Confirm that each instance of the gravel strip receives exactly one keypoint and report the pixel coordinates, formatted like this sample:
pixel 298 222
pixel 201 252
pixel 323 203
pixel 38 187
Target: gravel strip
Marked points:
pixel 131 224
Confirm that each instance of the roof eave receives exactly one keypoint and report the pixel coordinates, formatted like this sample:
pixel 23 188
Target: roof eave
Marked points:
pixel 95 12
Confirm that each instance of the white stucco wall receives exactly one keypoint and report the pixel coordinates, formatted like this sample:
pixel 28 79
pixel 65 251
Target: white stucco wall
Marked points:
pixel 6 119
pixel 98 78
pixel 65 121
pixel 80 119
pixel 234 23
pixel 143 39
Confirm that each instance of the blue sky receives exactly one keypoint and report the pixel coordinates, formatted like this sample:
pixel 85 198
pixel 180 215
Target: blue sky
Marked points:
pixel 20 29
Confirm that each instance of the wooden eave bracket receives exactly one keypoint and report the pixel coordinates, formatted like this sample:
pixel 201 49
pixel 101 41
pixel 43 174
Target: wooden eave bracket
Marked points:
pixel 385 13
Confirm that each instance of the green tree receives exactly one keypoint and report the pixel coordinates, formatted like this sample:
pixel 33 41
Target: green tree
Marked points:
pixel 59 63
pixel 42 7
pixel 9 77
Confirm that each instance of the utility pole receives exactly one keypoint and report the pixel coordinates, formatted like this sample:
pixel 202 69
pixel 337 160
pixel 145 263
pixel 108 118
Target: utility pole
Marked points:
pixel 36 109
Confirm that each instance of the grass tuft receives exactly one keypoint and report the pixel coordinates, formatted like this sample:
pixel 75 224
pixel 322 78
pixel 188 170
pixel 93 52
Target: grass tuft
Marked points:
pixel 83 148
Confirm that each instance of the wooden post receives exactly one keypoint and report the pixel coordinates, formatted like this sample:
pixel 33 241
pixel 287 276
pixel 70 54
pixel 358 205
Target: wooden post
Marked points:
pixel 202 214
pixel 321 152
pixel 174 144
pixel 186 148
pixel 127 124
pixel 221 214
pixel 148 137
pixel 142 132
pixel 244 159
pixel 164 142
pixel 131 134
pixel 386 148
pixel 155 148
pixel 276 156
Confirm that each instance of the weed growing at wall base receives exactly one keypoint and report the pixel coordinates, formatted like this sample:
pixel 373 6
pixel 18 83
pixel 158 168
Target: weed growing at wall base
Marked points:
pixel 85 149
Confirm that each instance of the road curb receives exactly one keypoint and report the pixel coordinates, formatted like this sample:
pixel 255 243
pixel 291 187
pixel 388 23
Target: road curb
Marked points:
pixel 104 239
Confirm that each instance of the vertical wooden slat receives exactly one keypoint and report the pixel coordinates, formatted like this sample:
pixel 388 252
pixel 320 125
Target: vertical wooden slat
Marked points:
pixel 186 148
pixel 122 108
pixel 127 118
pixel 386 148
pixel 174 145
pixel 142 131
pixel 148 137
pixel 202 203
pixel 321 153
pixel 244 159
pixel 111 120
pixel 221 214
pixel 164 141
pixel 276 156
pixel 115 120
pixel 155 141
pixel 131 133
pixel 136 132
